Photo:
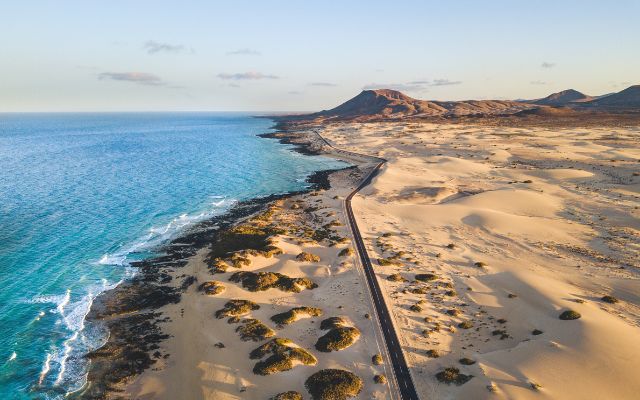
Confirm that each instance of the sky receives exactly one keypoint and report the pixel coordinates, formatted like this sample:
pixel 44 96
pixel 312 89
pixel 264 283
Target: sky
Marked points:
pixel 123 55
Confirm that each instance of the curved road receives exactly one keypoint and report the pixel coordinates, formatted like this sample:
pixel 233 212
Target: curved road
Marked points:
pixel 400 369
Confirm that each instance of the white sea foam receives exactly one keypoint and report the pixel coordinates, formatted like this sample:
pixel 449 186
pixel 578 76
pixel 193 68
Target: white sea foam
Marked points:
pixel 68 359
pixel 46 367
pixel 14 355
pixel 157 235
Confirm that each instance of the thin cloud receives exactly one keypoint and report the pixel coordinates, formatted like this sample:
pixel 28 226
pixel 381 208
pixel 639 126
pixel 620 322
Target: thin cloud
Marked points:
pixel 444 82
pixel 246 76
pixel 402 87
pixel 141 78
pixel 547 65
pixel 153 47
pixel 295 92
pixel 418 83
pixel 413 86
pixel 244 52
pixel 538 82
pixel 323 84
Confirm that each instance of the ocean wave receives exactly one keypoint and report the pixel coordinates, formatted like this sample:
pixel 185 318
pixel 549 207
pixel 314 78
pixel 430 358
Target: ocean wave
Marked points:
pixel 67 361
pixel 158 235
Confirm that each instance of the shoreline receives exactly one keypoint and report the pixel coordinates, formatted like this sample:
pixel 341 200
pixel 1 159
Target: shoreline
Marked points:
pixel 129 312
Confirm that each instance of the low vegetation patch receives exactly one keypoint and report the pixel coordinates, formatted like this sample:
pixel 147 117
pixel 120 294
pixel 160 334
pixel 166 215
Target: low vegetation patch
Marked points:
pixel 426 277
pixel 433 353
pixel 348 252
pixel 569 315
pixel 466 361
pixel 480 264
pixel 454 312
pixel 260 281
pixel 415 308
pixel 380 378
pixel 294 314
pixel 307 257
pixel 452 375
pixel 236 307
pixel 290 395
pixel 395 278
pixel 255 330
pixel 218 266
pixel 283 357
pixel 377 359
pixel 465 325
pixel 609 299
pixel 253 235
pixel 333 322
pixel 337 339
pixel 389 261
pixel 212 288
pixel 333 384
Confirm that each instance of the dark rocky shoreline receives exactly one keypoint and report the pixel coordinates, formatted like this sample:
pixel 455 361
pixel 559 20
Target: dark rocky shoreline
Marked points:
pixel 131 311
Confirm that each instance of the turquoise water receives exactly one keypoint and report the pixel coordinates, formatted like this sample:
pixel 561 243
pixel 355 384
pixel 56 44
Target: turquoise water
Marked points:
pixel 81 195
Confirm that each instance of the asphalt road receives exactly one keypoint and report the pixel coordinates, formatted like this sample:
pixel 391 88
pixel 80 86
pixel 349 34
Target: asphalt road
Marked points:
pixel 400 369
pixel 398 362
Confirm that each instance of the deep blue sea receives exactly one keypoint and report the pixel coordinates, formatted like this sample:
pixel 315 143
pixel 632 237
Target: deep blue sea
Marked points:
pixel 82 195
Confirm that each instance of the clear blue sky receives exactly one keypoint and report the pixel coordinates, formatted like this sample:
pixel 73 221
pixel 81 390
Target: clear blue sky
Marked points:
pixel 303 55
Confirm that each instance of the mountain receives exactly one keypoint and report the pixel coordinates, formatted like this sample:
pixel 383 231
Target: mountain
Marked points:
pixel 562 98
pixel 627 98
pixel 391 104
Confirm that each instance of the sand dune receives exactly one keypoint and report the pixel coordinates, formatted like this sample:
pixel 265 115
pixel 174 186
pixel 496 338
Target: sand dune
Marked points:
pixel 553 222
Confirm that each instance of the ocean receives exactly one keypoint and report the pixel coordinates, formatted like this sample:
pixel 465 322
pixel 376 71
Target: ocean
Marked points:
pixel 83 195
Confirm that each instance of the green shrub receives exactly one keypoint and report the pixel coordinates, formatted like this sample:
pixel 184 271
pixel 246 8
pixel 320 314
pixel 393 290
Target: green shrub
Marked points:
pixel 433 353
pixel 292 315
pixel 218 266
pixel 454 312
pixel 480 264
pixel 236 307
pixel 290 395
pixel 307 257
pixel 212 288
pixel 465 325
pixel 337 339
pixel 395 278
pixel 388 261
pixel 333 384
pixel 426 277
pixel 253 329
pixel 377 359
pixel 415 308
pixel 452 375
pixel 332 322
pixel 569 315
pixel 609 299
pixel 381 379
pixel 348 252
pixel 260 281
pixel 282 358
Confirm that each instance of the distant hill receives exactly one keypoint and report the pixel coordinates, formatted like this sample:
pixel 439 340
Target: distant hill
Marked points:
pixel 391 104
pixel 627 98
pixel 562 98
pixel 387 104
